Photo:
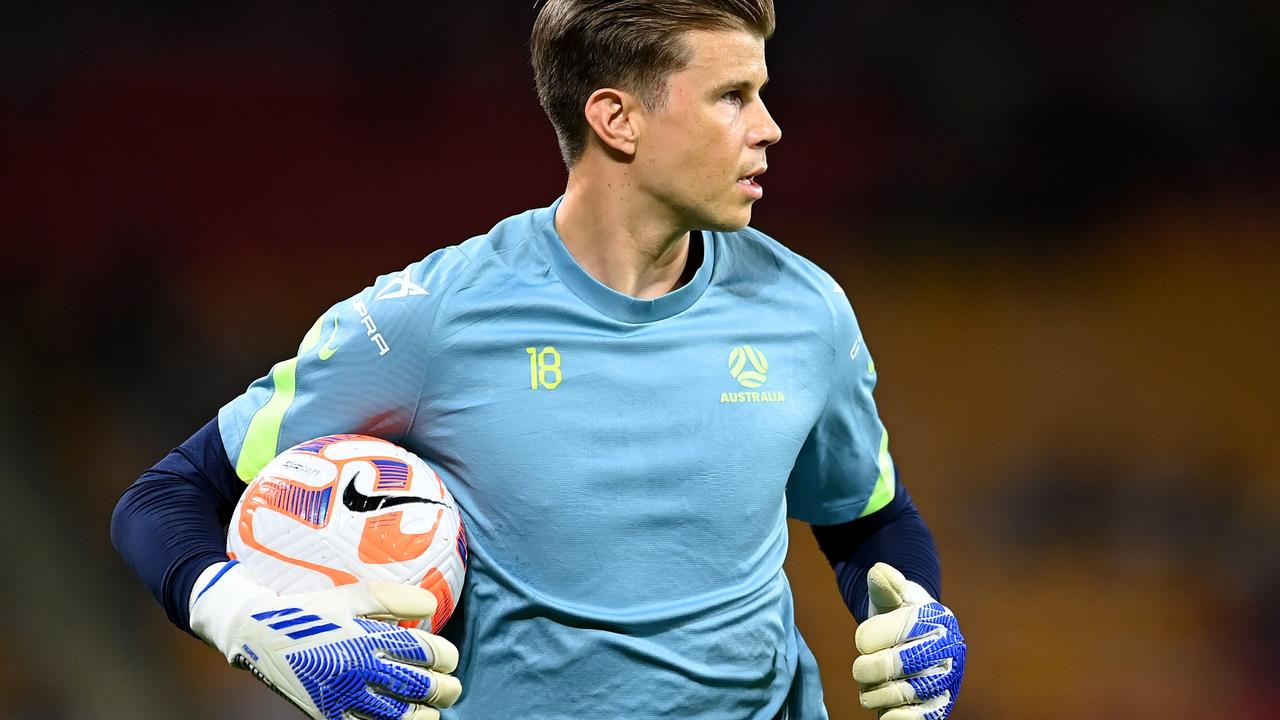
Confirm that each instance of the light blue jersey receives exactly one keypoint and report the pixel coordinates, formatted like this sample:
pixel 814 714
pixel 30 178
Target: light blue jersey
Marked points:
pixel 625 467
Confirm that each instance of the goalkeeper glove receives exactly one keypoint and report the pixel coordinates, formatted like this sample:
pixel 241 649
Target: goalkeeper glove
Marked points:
pixel 912 658
pixel 319 652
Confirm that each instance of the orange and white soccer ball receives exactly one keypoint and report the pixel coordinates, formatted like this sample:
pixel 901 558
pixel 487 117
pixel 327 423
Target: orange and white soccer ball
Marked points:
pixel 349 508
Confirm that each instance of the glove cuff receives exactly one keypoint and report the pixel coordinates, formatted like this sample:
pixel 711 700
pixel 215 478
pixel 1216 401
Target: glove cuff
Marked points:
pixel 221 599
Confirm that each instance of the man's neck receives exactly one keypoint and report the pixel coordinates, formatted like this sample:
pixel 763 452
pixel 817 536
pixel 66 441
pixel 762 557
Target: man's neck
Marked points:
pixel 629 243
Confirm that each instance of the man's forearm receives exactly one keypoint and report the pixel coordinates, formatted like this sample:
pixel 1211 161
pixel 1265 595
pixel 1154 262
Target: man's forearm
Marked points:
pixel 169 525
pixel 896 534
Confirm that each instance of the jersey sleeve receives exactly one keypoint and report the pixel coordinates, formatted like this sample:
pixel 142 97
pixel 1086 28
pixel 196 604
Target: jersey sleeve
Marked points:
pixel 359 369
pixel 844 470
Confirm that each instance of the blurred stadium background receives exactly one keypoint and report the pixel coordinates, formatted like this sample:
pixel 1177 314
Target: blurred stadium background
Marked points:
pixel 1059 223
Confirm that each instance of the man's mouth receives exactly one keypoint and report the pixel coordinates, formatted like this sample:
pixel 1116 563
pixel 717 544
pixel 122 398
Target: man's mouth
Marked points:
pixel 748 182
pixel 750 178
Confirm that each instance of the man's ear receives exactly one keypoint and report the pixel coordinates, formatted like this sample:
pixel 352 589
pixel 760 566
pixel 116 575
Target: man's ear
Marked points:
pixel 612 115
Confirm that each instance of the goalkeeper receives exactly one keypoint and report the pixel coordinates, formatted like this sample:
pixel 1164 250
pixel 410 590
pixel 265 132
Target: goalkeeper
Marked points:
pixel 628 392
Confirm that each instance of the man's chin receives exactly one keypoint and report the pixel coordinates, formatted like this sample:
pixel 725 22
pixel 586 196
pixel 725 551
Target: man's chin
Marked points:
pixel 729 222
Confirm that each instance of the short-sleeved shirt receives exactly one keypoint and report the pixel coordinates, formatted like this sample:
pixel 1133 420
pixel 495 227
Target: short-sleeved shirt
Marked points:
pixel 624 467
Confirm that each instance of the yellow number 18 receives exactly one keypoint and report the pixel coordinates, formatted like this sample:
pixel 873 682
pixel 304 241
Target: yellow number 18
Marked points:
pixel 544 368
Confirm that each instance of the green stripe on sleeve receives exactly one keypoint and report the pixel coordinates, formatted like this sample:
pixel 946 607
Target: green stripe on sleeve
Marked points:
pixel 264 429
pixel 885 487
pixel 263 435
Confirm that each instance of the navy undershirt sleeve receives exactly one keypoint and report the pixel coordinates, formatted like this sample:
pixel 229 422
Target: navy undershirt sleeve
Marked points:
pixel 170 524
pixel 895 534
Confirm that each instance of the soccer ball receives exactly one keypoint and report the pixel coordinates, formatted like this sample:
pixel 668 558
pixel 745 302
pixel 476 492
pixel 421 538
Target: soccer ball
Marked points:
pixel 348 508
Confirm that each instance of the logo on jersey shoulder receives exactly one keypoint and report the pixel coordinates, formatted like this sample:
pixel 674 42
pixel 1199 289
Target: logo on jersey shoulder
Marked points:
pixel 371 329
pixel 750 367
pixel 328 348
pixel 400 286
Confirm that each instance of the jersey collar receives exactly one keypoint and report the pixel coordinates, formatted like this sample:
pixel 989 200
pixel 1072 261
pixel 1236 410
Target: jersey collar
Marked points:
pixel 605 299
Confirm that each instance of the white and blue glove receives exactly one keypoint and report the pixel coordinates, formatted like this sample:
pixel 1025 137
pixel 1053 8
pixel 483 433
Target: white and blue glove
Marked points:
pixel 912 652
pixel 319 651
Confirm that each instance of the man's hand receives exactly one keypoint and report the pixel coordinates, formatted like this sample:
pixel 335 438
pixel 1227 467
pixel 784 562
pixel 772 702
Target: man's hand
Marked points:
pixel 912 657
pixel 319 651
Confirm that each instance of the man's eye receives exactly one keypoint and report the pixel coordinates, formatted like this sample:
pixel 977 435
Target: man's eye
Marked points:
pixel 733 96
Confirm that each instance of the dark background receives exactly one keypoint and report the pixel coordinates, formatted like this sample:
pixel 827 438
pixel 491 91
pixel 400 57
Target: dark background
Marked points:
pixel 1058 223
